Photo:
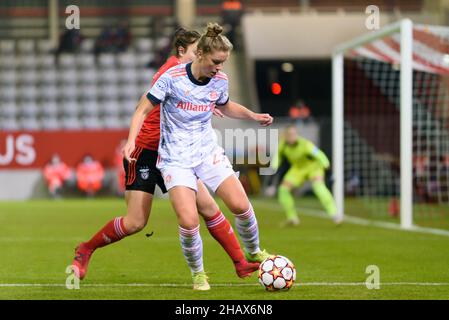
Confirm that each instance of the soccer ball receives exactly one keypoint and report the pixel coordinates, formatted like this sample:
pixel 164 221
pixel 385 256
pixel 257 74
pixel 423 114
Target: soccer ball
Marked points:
pixel 277 273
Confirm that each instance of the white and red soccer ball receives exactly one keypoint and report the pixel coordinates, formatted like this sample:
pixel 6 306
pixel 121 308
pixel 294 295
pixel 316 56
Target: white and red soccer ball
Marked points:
pixel 277 273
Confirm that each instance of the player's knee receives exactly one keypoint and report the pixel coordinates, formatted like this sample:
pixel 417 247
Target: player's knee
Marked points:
pixel 208 210
pixel 239 207
pixel 189 224
pixel 135 225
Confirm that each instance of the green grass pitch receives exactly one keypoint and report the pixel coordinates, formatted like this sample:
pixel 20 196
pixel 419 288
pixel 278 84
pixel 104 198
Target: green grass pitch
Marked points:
pixel 38 240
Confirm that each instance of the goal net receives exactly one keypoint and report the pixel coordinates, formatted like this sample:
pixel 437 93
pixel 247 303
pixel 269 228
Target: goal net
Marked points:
pixel 391 125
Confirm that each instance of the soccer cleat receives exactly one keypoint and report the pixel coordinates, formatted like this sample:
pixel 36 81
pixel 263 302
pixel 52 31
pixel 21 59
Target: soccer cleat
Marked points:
pixel 200 281
pixel 244 269
pixel 81 261
pixel 291 222
pixel 257 257
pixel 338 219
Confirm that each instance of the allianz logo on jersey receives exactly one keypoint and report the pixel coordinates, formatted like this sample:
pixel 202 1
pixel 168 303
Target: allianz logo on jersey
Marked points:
pixel 195 107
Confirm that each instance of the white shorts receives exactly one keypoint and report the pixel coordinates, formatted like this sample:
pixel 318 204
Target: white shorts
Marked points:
pixel 212 171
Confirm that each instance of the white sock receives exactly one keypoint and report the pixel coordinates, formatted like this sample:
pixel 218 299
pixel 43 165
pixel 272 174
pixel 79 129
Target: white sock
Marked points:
pixel 246 224
pixel 192 247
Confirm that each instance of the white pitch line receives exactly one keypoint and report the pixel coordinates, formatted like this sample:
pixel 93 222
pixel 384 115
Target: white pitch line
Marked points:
pixel 356 220
pixel 313 284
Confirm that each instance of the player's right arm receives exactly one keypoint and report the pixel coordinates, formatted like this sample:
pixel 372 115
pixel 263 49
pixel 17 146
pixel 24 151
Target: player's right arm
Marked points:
pixel 153 97
pixel 279 156
pixel 143 108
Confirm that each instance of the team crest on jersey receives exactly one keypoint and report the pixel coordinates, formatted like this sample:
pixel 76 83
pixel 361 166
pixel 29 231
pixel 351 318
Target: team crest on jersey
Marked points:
pixel 213 95
pixel 144 173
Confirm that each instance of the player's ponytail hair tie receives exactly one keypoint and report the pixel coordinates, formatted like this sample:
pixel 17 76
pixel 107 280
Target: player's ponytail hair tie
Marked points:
pixel 213 30
pixel 213 40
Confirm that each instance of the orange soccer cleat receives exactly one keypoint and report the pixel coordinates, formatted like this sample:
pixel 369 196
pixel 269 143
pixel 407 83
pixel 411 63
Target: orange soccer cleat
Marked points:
pixel 245 269
pixel 81 260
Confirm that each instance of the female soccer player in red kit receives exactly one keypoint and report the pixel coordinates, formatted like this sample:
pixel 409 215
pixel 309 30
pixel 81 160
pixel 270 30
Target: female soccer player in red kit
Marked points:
pixel 142 177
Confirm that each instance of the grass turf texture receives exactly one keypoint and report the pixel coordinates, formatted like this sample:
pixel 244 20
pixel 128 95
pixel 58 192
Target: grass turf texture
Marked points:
pixel 38 240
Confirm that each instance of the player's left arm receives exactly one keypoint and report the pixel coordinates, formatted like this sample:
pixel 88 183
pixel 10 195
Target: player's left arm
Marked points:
pixel 237 111
pixel 319 155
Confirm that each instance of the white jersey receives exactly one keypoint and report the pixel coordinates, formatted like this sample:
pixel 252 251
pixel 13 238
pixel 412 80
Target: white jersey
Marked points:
pixel 187 136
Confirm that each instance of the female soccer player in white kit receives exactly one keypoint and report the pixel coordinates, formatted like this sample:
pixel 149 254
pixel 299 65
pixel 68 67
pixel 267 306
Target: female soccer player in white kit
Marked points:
pixel 188 149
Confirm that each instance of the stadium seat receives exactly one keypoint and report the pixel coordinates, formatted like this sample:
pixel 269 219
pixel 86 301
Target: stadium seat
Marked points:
pixel 144 45
pixel 28 77
pixel 162 42
pixel 48 92
pixel 106 60
pixel 30 123
pixel 128 76
pixel 108 76
pixel 87 45
pixel 67 61
pixel 126 60
pixel 69 76
pixel 146 75
pixel 130 92
pixel 26 62
pixel 88 76
pixel 108 91
pixel 68 92
pixel 125 120
pixel 48 76
pixel 50 123
pixel 85 61
pixel 143 86
pixel 9 123
pixel 70 122
pixel 112 122
pixel 46 61
pixel 110 107
pixel 26 46
pixel 91 122
pixel 8 77
pixel 90 107
pixel 28 91
pixel 8 109
pixel 8 62
pixel 70 108
pixel 87 91
pixel 8 93
pixel 49 108
pixel 127 107
pixel 44 46
pixel 29 108
pixel 7 47
pixel 143 59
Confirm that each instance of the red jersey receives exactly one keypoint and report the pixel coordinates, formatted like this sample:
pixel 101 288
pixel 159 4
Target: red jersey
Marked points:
pixel 149 134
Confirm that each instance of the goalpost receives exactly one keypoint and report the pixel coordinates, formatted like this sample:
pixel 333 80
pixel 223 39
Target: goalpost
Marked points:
pixel 391 125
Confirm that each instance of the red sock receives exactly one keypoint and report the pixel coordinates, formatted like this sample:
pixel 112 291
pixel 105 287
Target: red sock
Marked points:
pixel 113 231
pixel 220 228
